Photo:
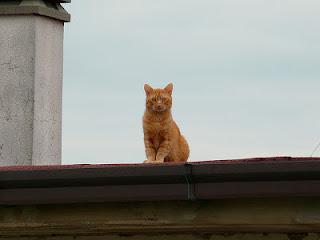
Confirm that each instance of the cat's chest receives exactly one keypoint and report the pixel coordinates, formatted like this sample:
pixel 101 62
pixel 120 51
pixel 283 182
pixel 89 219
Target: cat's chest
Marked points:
pixel 157 126
pixel 157 137
pixel 157 131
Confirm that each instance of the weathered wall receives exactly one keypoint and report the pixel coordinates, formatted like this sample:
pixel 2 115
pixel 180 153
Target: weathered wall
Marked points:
pixel 292 219
pixel 236 236
pixel 47 91
pixel 16 89
pixel 30 90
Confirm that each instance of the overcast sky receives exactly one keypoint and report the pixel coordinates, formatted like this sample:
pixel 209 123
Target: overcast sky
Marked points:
pixel 246 76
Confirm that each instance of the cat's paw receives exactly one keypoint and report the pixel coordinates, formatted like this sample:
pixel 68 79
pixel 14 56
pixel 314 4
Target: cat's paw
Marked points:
pixel 159 160
pixel 152 161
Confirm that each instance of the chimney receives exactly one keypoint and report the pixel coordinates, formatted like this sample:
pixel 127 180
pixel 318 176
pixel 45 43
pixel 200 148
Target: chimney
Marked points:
pixel 31 62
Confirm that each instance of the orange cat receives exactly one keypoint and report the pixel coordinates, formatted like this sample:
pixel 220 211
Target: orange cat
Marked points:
pixel 162 138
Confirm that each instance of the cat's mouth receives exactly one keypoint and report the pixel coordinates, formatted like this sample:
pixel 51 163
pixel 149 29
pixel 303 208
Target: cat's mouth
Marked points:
pixel 159 109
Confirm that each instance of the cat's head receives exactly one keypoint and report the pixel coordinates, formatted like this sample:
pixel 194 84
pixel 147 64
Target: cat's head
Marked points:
pixel 158 100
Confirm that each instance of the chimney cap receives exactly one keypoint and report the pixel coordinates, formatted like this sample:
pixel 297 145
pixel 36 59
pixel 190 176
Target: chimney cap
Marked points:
pixel 36 7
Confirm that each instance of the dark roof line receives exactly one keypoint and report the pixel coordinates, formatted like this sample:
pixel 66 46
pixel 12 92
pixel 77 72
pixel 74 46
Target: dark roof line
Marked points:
pixel 259 177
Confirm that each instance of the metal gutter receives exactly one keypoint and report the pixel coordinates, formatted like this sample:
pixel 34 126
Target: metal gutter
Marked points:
pixel 246 178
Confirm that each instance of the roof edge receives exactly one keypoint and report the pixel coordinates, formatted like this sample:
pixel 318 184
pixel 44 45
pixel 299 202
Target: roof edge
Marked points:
pixel 289 177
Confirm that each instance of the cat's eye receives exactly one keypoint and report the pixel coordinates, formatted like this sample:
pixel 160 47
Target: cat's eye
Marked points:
pixel 164 100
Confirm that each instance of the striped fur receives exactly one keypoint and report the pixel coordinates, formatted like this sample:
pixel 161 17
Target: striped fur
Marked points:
pixel 162 138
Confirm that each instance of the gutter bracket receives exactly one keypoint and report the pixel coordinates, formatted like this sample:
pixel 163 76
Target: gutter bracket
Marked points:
pixel 190 182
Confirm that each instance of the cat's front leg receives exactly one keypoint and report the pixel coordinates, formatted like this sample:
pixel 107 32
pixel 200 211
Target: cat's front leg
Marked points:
pixel 150 151
pixel 163 151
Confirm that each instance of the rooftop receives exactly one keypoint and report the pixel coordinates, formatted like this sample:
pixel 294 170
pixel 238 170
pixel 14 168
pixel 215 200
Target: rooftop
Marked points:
pixel 192 181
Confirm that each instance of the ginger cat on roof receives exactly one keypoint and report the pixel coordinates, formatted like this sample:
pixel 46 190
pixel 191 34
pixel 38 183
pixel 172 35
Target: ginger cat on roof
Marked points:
pixel 162 138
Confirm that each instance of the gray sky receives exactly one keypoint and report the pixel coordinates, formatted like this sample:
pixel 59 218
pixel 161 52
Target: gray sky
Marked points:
pixel 246 76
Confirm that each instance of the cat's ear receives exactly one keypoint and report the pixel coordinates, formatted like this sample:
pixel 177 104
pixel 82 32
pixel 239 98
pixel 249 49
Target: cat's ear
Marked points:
pixel 169 88
pixel 148 89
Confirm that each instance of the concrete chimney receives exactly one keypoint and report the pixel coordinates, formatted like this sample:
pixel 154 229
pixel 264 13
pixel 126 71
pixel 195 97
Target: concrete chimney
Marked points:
pixel 31 62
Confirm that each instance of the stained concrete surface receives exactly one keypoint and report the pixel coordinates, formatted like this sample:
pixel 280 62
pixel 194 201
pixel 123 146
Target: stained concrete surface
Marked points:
pixel 31 53
pixel 235 236
pixel 291 218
